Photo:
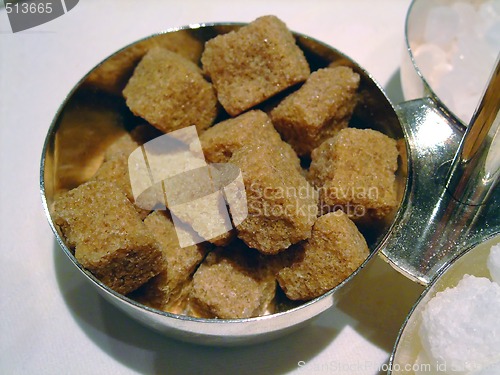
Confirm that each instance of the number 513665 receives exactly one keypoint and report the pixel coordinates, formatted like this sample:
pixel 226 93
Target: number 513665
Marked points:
pixel 28 7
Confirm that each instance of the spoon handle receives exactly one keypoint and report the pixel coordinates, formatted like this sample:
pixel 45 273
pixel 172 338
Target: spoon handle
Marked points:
pixel 475 170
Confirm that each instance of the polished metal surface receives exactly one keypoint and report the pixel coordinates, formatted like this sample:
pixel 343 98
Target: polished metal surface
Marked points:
pixel 476 169
pixel 91 118
pixel 434 227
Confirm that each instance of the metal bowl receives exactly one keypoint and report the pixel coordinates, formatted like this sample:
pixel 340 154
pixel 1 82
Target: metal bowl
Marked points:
pixel 87 122
pixel 419 80
pixel 453 215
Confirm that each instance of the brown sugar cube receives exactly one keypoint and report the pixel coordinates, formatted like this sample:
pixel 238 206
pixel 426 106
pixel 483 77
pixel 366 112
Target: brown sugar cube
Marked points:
pixel 221 140
pixel 116 167
pixel 171 286
pixel 355 171
pixel 116 171
pixel 282 205
pixel 170 92
pixel 334 251
pixel 252 64
pixel 127 142
pixel 318 110
pixel 112 75
pixel 232 283
pixel 124 145
pixel 108 236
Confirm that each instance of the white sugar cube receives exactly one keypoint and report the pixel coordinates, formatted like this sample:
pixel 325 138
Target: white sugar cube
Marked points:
pixel 442 25
pixel 461 326
pixel 488 12
pixel 494 369
pixel 466 14
pixel 492 35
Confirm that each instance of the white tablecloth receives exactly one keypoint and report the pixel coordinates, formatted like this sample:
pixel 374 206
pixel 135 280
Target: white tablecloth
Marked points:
pixel 51 321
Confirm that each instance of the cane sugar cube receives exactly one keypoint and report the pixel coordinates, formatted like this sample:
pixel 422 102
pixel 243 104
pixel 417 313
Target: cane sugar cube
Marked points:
pixel 355 171
pixel 282 205
pixel 108 235
pixel 170 92
pixel 170 286
pixel 318 110
pixel 254 63
pixel 111 76
pixel 232 283
pixel 334 251
pixel 221 140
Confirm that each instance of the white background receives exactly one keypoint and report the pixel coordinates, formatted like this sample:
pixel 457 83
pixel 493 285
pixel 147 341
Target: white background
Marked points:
pixel 51 321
